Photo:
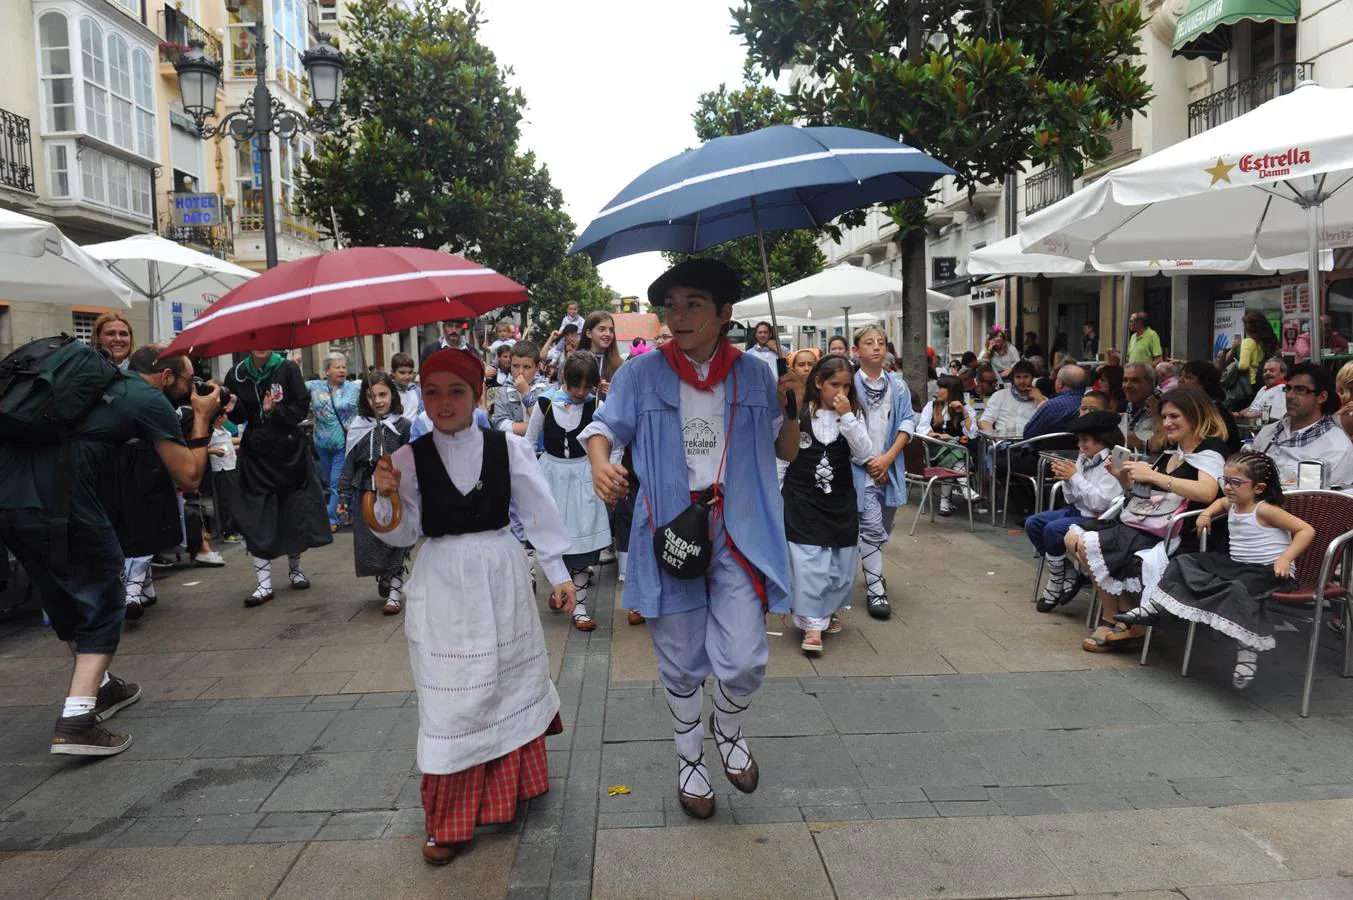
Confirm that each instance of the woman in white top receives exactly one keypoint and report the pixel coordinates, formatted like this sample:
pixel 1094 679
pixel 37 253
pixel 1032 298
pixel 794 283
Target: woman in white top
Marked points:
pixel 948 418
pixel 1226 591
pixel 1000 353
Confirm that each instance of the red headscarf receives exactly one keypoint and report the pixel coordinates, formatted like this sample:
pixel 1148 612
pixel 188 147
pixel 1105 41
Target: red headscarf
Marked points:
pixel 462 363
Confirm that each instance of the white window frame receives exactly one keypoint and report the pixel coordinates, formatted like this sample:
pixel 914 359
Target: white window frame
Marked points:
pixel 94 77
pixel 111 182
pixel 50 79
pixel 143 104
pixel 121 107
pixel 59 170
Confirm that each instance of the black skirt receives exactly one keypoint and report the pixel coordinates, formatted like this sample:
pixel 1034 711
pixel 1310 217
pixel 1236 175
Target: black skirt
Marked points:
pixel 285 523
pixel 1224 594
pixel 1111 548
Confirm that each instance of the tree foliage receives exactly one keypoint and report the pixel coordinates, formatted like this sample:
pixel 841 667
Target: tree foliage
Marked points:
pixel 575 278
pixel 987 87
pixel 427 152
pixel 791 254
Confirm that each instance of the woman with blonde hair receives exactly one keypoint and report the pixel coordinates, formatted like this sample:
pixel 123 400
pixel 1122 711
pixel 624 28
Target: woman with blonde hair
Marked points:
pixel 1126 556
pixel 113 333
pixel 1343 384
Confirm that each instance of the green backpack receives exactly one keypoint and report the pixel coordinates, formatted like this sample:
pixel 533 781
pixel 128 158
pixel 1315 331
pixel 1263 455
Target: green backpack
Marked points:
pixel 46 387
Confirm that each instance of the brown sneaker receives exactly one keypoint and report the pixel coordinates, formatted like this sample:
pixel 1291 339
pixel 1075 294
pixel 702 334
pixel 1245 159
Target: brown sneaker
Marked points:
pixel 84 736
pixel 115 695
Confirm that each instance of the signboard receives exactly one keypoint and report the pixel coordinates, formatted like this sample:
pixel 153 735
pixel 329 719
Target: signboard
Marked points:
pixel 257 161
pixel 629 304
pixel 985 293
pixel 195 210
pixel 943 268
pixel 1226 324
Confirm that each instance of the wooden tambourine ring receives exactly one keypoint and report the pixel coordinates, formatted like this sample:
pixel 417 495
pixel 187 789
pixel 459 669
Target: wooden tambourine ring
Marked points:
pixel 369 511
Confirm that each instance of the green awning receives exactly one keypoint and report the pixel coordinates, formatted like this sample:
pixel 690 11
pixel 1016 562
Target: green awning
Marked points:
pixel 1204 30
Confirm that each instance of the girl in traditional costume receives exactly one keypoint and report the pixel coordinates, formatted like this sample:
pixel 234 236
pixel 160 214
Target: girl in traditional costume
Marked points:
pixel 379 430
pixel 485 699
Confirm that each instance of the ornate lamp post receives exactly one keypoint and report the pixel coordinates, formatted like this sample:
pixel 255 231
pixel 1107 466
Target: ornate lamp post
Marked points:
pixel 262 115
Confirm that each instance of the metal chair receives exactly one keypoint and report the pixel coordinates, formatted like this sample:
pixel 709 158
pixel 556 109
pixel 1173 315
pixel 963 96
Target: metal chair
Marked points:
pixel 1330 513
pixel 1056 440
pixel 1202 546
pixel 937 474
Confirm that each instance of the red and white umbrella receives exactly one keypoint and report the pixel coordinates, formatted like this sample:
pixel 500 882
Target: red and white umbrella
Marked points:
pixel 343 294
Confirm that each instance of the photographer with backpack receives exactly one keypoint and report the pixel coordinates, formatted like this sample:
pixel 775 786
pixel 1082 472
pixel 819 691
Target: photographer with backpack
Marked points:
pixel 64 411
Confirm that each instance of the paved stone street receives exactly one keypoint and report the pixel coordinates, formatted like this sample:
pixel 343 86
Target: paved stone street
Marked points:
pixel 967 748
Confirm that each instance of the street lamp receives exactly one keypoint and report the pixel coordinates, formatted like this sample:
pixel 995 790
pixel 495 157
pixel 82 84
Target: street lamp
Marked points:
pixel 262 115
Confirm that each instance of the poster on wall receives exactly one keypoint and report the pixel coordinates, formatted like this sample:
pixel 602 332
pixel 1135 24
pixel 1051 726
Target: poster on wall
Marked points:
pixel 1226 325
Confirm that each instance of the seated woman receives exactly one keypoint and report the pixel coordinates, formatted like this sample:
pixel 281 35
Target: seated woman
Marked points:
pixel 1126 556
pixel 1204 376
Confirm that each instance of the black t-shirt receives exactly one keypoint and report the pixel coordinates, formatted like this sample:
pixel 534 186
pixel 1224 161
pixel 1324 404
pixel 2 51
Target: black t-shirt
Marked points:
pixel 130 408
pixel 1186 470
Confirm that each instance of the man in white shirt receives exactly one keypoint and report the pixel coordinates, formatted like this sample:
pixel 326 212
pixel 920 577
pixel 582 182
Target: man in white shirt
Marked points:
pixel 1143 410
pixel 1270 402
pixel 764 349
pixel 1309 431
pixel 1011 408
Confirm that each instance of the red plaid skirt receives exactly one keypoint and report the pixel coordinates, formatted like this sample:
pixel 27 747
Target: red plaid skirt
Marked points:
pixel 486 794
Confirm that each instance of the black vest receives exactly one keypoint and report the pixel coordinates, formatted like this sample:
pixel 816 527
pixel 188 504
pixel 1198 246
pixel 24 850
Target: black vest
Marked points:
pixel 558 442
pixel 446 511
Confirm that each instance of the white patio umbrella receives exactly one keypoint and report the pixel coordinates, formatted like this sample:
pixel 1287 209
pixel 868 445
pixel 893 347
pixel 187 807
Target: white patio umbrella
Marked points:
pixel 1263 183
pixel 40 264
pixel 835 292
pixel 163 271
pixel 1008 257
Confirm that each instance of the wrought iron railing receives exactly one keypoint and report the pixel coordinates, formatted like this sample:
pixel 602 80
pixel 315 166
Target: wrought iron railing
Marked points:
pixel 1243 96
pixel 16 152
pixel 178 30
pixel 295 227
pixel 1046 188
pixel 217 240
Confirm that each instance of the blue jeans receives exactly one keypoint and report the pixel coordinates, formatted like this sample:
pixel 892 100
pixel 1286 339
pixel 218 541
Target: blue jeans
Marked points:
pixel 330 470
pixel 1047 530
pixel 85 598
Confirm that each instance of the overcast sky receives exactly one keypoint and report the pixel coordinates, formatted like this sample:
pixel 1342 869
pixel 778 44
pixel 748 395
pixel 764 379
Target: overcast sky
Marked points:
pixel 610 87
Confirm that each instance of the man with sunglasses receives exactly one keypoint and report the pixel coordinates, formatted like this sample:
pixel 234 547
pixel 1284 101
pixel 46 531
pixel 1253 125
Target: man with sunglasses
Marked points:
pixel 82 590
pixel 1309 431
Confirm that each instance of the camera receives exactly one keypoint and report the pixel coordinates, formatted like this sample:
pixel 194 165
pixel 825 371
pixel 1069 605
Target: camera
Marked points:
pixel 204 387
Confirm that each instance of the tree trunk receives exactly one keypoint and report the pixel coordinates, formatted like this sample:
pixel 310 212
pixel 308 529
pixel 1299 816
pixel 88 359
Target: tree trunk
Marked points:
pixel 914 315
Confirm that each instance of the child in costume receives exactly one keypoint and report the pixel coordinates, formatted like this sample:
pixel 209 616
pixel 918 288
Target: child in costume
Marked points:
pixel 1090 489
pixel 701 401
pixel 379 430
pixel 560 418
pixel 485 699
pixel 1227 591
pixel 880 482
pixel 821 523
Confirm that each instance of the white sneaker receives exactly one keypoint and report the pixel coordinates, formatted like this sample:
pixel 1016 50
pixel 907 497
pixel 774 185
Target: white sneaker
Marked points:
pixel 210 558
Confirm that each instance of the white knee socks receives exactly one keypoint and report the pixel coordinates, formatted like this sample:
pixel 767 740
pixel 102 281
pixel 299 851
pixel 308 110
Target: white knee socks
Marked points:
pixel 397 587
pixel 582 581
pixel 1056 576
pixel 263 572
pixel 729 710
pixel 690 741
pixel 871 558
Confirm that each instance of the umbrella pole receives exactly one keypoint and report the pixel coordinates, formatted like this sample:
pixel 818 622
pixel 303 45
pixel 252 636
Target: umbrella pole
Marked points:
pixel 1313 277
pixel 153 298
pixel 846 310
pixel 765 271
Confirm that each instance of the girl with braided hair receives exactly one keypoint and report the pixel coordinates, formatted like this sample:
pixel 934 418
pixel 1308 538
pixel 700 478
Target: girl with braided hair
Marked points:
pixel 1226 591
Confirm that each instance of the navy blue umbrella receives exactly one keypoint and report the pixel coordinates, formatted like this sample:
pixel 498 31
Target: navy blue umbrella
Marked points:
pixel 774 179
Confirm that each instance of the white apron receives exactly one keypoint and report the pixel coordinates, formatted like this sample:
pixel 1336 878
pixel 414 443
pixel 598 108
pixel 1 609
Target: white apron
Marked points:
pixel 477 651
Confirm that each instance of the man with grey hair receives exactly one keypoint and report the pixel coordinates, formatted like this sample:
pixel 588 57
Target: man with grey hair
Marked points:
pixel 1139 418
pixel 1065 405
pixel 1270 402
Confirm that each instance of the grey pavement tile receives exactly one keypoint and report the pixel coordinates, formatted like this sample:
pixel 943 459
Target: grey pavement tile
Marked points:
pixel 22 843
pixel 337 701
pixel 895 794
pixel 572 890
pixel 677 817
pixel 840 813
pixel 572 860
pixel 956 808
pixel 528 892
pixel 226 820
pixel 337 781
pixel 880 712
pixel 1078 707
pixel 157 832
pixel 920 810
pixel 99 789
pixel 1312 889
pixel 213 786
pixel 172 739
pixel 239 705
pixel 913 759
pixel 265 734
pixel 532 866
pixel 771 795
pixel 1157 751
pixel 209 836
pixel 410 793
pixel 970 793
pixel 96 833
pixel 1027 801
pixel 987 708
pixel 28 827
pixel 368 729
pixel 547 825
pixel 1273 747
pixel 760 815
pixel 351 826
pixel 383 700
pixel 406 823
pixel 294 833
pixel 955 857
pixel 293 819
pixel 588 737
pixel 558 762
pixel 18 780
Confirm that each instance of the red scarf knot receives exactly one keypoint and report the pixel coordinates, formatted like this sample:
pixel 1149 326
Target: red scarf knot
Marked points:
pixel 720 364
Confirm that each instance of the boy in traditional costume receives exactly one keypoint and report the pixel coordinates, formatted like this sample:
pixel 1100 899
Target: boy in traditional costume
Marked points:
pixel 705 595
pixel 485 699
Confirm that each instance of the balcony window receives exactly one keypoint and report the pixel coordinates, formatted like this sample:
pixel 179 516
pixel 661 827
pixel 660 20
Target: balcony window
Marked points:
pixel 58 170
pixel 111 182
pixel 95 78
pixel 145 104
pixel 58 80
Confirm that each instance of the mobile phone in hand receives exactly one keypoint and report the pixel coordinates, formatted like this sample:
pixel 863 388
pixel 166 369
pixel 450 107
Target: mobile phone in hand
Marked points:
pixel 1120 455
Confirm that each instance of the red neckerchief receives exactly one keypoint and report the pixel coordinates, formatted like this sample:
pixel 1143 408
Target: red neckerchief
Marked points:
pixel 720 364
